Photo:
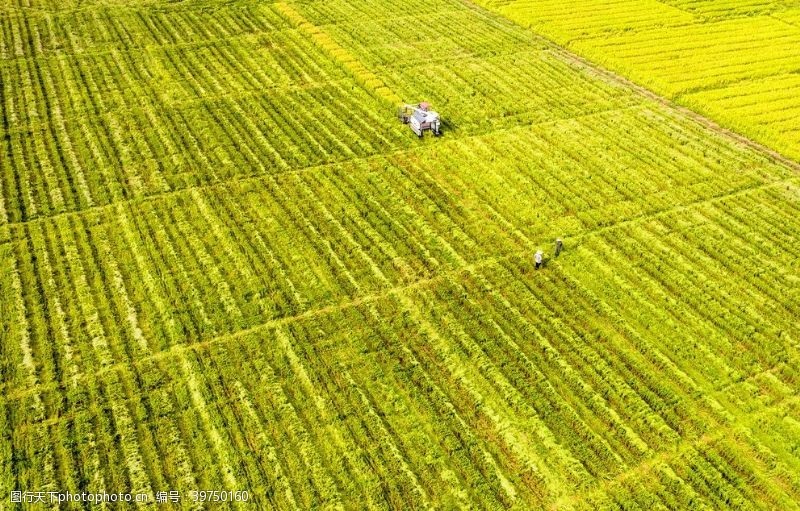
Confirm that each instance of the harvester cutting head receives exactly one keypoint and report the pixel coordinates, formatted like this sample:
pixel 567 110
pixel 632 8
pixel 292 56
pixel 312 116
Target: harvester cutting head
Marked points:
pixel 420 118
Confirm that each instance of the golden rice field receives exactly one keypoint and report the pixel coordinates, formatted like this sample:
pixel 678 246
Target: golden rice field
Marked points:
pixel 227 270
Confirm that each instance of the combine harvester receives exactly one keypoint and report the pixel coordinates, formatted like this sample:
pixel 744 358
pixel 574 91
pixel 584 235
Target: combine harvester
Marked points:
pixel 420 118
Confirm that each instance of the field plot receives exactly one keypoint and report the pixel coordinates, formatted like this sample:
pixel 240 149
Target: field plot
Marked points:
pixel 729 60
pixel 225 265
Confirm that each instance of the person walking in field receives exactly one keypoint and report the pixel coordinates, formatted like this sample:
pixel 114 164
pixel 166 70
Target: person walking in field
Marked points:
pixel 559 246
pixel 538 257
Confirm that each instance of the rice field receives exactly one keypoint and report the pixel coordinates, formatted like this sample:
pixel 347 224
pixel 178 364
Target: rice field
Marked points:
pixel 226 267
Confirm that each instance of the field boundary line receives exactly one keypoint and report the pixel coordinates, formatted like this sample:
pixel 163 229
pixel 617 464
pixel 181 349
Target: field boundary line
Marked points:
pixel 602 72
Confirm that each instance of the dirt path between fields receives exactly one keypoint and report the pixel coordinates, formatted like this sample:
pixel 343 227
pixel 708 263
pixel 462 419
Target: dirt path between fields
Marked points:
pixel 613 77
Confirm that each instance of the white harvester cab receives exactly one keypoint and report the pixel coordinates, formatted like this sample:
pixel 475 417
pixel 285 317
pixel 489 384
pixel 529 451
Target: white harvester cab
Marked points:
pixel 420 118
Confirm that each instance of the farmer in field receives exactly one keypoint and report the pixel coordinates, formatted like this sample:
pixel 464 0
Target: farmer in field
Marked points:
pixel 538 257
pixel 559 246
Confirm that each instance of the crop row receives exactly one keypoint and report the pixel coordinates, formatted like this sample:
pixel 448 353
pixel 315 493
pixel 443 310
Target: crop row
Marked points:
pixel 566 20
pixel 320 12
pixel 764 109
pixel 95 83
pixel 739 51
pixel 435 37
pixel 729 8
pixel 490 93
pixel 284 58
pixel 467 369
pixel 102 29
pixel 66 158
pixel 87 129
